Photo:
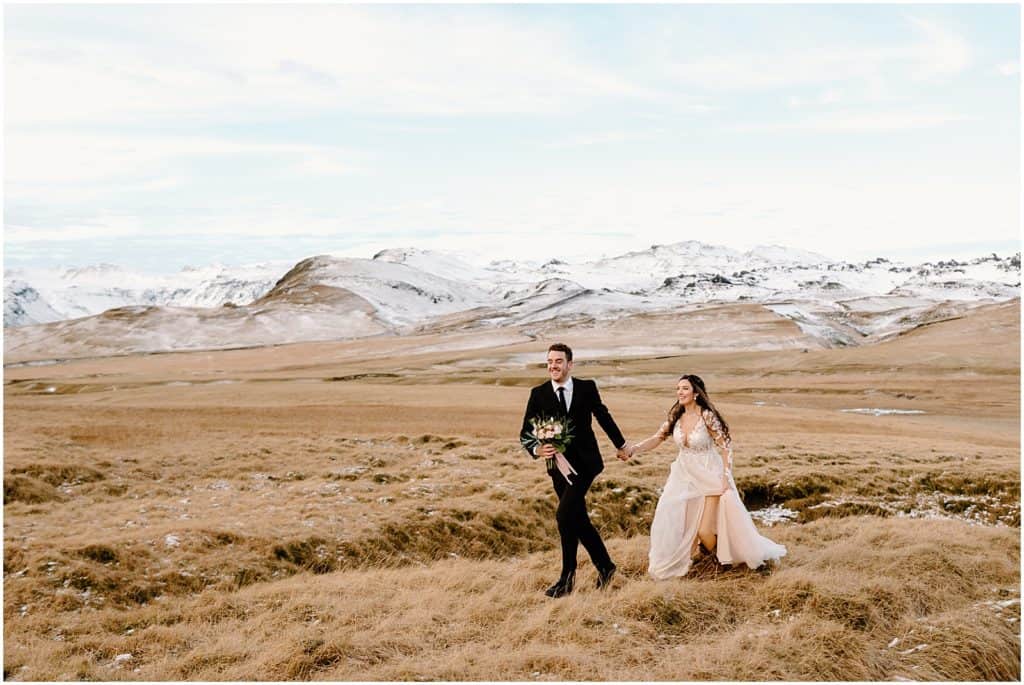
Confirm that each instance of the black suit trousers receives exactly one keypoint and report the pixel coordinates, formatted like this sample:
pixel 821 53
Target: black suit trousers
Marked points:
pixel 574 526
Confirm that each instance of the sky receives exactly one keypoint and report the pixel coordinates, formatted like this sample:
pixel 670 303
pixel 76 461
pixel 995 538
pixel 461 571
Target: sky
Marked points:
pixel 159 136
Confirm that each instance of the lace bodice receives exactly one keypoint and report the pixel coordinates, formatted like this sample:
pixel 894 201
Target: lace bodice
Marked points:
pixel 697 439
pixel 703 433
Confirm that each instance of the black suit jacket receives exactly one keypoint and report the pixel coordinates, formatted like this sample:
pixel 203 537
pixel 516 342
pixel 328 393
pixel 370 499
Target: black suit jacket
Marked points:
pixel 582 452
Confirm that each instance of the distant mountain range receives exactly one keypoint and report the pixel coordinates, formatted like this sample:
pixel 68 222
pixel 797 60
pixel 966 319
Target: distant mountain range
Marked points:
pixel 107 310
pixel 42 296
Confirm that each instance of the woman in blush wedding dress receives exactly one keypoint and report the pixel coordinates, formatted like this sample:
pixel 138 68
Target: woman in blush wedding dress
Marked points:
pixel 699 510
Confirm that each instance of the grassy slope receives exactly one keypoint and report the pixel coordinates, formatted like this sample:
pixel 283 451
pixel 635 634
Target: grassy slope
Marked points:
pixel 332 530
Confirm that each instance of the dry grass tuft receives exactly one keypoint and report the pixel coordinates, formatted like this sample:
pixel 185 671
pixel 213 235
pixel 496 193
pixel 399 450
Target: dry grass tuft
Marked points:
pixel 29 490
pixel 677 613
pixel 982 643
pixel 58 474
pixel 36 483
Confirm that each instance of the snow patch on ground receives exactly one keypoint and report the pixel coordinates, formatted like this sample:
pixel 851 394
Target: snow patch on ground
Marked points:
pixel 776 513
pixel 974 509
pixel 881 412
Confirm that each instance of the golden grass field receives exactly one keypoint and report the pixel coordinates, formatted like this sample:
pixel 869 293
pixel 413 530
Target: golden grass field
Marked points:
pixel 363 511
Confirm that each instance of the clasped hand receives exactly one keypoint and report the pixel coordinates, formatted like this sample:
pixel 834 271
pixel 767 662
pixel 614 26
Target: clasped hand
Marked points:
pixel 625 452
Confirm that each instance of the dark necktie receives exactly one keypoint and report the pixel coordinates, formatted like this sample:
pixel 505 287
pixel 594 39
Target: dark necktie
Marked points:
pixel 561 401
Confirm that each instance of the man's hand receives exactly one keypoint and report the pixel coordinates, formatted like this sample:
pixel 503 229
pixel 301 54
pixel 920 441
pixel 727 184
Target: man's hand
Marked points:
pixel 547 451
pixel 625 452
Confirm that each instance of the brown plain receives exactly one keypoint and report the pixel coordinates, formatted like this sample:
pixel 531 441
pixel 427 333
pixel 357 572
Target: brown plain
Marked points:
pixel 363 511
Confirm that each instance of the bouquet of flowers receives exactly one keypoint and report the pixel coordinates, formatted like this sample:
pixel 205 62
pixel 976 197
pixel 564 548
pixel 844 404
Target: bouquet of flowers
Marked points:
pixel 552 431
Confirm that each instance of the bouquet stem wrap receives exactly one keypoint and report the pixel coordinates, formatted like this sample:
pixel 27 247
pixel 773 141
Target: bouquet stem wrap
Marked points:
pixel 563 466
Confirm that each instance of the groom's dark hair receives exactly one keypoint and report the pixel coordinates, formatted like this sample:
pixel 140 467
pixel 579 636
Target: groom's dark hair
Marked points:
pixel 562 347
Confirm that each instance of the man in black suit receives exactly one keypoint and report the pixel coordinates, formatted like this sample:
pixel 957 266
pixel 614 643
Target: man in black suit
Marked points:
pixel 579 400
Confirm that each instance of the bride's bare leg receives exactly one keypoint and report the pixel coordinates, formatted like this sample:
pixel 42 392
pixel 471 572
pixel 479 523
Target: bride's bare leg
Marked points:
pixel 707 529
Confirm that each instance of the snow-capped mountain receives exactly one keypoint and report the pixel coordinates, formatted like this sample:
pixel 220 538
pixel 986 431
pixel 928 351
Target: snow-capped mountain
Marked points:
pixel 58 294
pixel 644 270
pixel 401 290
pixel 445 265
pixel 401 294
pixel 24 305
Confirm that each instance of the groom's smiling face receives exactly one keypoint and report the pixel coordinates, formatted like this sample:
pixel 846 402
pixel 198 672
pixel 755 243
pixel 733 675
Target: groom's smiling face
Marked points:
pixel 558 366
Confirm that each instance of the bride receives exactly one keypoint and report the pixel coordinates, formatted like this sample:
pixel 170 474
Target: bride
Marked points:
pixel 699 509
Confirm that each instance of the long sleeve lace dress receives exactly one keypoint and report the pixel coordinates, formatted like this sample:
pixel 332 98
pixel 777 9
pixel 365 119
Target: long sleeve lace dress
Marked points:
pixel 695 474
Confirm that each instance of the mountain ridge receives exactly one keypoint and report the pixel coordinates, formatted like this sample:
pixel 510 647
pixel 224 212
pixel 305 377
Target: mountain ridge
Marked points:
pixel 400 290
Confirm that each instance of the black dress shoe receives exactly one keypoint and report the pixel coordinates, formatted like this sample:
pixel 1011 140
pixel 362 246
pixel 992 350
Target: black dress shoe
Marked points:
pixel 562 587
pixel 605 577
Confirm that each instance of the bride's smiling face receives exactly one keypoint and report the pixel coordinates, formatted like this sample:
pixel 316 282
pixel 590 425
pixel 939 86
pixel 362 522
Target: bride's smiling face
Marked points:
pixel 684 392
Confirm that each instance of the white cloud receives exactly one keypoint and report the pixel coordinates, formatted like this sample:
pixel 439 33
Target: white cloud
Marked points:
pixel 828 211
pixel 270 71
pixel 834 210
pixel 322 165
pixel 273 222
pixel 939 52
pixel 829 96
pixel 606 138
pixel 104 225
pixel 260 58
pixel 87 166
pixel 942 52
pixel 1009 68
pixel 865 121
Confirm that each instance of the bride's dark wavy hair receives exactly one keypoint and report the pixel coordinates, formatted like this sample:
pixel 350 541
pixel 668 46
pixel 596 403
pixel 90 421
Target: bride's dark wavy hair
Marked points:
pixel 703 402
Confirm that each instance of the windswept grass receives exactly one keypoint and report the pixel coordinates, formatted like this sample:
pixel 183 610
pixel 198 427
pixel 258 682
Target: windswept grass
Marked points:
pixel 856 599
pixel 360 513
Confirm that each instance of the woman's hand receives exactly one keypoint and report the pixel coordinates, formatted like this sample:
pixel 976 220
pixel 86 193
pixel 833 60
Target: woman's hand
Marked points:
pixel 725 482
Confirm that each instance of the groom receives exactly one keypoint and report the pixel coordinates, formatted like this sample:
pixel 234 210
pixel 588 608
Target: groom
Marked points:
pixel 579 400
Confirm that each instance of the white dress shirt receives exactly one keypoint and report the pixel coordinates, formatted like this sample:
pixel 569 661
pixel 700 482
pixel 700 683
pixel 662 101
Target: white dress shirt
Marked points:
pixel 568 391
